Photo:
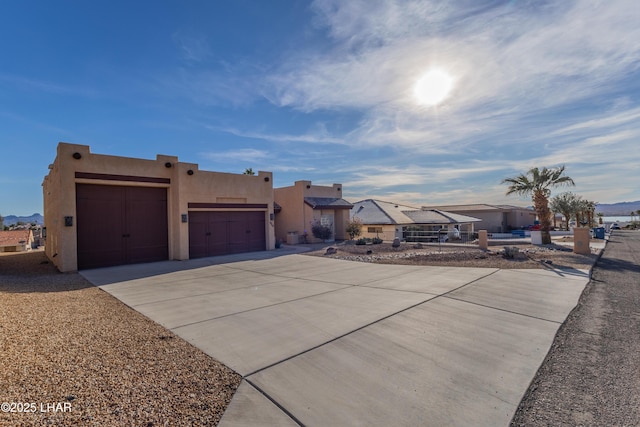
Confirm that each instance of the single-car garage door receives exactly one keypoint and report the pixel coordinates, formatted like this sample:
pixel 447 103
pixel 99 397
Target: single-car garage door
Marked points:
pixel 121 225
pixel 219 233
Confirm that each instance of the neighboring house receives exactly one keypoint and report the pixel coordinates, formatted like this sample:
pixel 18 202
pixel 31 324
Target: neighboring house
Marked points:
pixel 105 210
pixel 495 218
pixel 387 221
pixel 16 240
pixel 303 203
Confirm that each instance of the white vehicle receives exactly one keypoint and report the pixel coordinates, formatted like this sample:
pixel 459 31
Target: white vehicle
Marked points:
pixel 446 234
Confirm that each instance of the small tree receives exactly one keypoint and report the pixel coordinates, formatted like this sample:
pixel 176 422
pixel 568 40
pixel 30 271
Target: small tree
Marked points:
pixel 248 171
pixel 354 227
pixel 565 204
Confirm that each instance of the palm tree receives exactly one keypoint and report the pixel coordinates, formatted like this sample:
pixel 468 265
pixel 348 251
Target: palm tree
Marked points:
pixel 591 212
pixel 248 171
pixel 537 183
pixel 565 204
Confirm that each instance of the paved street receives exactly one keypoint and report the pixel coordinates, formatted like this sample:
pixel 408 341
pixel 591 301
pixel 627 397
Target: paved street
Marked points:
pixel 591 377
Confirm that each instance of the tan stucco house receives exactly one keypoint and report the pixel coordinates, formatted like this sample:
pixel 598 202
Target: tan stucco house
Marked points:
pixel 495 218
pixel 301 204
pixel 103 210
pixel 388 220
pixel 16 240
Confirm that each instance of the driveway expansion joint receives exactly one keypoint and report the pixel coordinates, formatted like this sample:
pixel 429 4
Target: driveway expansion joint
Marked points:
pixel 502 309
pixel 261 307
pixel 293 356
pixel 275 402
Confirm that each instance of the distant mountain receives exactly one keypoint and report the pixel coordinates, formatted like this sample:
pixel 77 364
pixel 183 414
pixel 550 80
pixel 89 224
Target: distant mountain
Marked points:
pixel 618 209
pixel 12 219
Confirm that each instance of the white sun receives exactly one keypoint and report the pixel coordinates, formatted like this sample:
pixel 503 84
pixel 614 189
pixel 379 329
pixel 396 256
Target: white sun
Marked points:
pixel 433 87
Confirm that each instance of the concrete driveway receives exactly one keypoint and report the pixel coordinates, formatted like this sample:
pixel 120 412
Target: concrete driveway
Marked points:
pixel 329 342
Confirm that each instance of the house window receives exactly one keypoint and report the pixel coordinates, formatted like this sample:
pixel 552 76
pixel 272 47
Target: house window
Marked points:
pixel 374 229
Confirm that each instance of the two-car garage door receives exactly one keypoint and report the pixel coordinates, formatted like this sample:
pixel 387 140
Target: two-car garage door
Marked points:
pixel 218 233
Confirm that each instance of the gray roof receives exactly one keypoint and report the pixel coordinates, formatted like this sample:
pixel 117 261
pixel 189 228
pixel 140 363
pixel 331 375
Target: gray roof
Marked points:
pixel 476 208
pixel 434 216
pixel 327 203
pixel 378 212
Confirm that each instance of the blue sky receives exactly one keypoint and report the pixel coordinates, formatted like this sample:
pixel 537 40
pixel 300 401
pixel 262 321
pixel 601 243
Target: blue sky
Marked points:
pixel 325 91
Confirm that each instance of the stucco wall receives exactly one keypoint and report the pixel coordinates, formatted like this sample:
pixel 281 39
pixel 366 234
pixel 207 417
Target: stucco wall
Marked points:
pixel 496 221
pixel 518 218
pixel 292 216
pixel 59 194
pixel 388 232
pixel 297 216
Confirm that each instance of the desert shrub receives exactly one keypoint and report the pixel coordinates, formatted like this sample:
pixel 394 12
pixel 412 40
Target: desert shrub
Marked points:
pixel 321 231
pixel 511 252
pixel 354 227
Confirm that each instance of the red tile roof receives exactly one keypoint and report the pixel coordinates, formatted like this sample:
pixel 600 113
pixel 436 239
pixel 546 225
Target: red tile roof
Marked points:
pixel 15 237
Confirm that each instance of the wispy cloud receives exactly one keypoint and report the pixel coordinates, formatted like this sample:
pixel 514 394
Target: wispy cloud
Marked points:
pixel 319 137
pixel 508 61
pixel 243 154
pixel 59 132
pixel 192 48
pixel 38 85
pixel 535 84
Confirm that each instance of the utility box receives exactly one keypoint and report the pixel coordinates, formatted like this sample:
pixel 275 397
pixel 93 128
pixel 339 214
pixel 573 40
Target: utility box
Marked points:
pixel 483 240
pixel 581 239
pixel 292 238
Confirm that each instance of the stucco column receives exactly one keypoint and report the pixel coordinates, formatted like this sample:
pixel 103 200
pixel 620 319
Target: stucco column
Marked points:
pixel 483 239
pixel 581 241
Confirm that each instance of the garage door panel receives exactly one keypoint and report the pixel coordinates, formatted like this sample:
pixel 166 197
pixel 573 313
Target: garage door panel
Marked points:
pixel 147 231
pixel 218 236
pixel 256 233
pixel 197 234
pixel 100 224
pixel 238 232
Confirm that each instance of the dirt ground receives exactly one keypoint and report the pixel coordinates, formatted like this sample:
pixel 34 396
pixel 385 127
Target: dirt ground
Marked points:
pixel 554 255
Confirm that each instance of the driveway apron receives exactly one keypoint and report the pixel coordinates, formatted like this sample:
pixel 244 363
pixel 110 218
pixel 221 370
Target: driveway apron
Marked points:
pixel 322 341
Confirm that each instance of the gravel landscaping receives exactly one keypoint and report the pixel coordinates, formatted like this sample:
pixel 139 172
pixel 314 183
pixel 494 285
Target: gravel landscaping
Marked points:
pixel 527 256
pixel 74 355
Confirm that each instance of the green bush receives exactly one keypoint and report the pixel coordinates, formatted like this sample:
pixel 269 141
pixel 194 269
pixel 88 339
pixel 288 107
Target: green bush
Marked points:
pixel 361 241
pixel 376 240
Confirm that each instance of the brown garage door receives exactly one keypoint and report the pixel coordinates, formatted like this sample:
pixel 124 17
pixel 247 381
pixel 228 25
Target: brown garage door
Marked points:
pixel 121 225
pixel 219 233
